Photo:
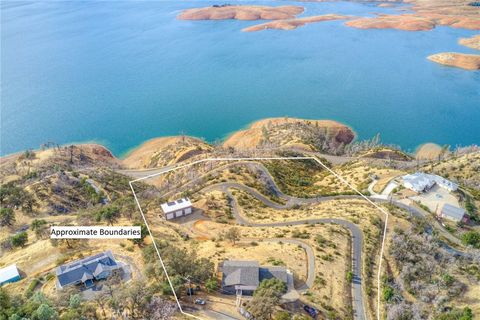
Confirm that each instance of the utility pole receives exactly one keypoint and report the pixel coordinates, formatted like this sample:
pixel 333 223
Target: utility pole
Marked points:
pixel 189 288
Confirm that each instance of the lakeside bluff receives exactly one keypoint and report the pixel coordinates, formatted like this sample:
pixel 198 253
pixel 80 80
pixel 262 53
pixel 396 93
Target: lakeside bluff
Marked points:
pixel 459 60
pixel 290 24
pixel 225 12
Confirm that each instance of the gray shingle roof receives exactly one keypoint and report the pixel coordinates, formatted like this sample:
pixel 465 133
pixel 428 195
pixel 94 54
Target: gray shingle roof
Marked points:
pixel 274 272
pixel 84 269
pixel 240 273
pixel 249 273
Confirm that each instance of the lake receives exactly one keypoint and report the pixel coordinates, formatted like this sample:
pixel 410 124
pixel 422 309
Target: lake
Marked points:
pixel 122 72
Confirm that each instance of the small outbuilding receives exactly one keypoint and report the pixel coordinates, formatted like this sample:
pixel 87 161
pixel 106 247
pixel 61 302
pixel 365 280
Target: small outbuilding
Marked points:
pixel 453 213
pixel 9 274
pixel 177 208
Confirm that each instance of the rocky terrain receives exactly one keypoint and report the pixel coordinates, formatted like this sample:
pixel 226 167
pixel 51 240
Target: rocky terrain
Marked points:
pixel 240 13
pixel 472 42
pixel 459 60
pixel 293 23
pixel 161 152
pixel 291 132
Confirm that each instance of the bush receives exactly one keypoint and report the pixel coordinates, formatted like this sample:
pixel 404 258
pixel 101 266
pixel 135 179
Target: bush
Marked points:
pixel 387 293
pixel 349 276
pixel 211 285
pixel 471 238
pixel 7 217
pixel 20 239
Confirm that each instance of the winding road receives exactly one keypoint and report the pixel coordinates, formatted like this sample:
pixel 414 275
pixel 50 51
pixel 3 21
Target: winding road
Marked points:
pixel 356 234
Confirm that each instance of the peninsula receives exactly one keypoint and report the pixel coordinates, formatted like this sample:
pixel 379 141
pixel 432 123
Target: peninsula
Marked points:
pixel 290 24
pixel 223 12
pixel 459 60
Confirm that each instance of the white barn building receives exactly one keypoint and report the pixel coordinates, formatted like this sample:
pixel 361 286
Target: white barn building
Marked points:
pixel 177 208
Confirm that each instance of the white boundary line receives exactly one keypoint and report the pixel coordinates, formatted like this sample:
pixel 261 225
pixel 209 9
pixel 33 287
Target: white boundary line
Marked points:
pixel 256 159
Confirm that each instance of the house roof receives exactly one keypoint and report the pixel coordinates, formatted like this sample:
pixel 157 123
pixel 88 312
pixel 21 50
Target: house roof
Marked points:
pixel 85 269
pixel 250 274
pixel 8 273
pixel 453 212
pixel 419 181
pixel 274 272
pixel 244 273
pixel 176 205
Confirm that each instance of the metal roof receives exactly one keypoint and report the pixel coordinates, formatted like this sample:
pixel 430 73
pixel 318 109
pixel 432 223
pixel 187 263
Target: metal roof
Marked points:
pixel 453 212
pixel 8 273
pixel 419 181
pixel 176 205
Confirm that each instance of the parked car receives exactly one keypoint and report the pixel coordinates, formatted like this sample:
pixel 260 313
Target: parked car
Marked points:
pixel 200 301
pixel 311 311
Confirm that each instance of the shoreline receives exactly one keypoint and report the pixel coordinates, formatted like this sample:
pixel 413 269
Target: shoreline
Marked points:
pixel 123 155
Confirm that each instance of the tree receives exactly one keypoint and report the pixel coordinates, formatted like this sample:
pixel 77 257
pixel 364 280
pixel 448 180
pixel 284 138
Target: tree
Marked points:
pixel 5 303
pixel 471 238
pixel 45 312
pixel 263 303
pixel 7 217
pixel 20 239
pixel 75 301
pixel 136 298
pixel 211 285
pixel 143 234
pixel 277 285
pixel 177 283
pixel 40 227
pixel 266 298
pixel 109 214
pixel 233 234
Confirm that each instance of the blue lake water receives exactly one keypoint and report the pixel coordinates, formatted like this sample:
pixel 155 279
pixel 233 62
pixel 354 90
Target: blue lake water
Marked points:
pixel 122 72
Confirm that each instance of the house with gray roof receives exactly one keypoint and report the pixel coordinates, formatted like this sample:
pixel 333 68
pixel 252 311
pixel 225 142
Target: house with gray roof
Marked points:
pixel 243 277
pixel 87 270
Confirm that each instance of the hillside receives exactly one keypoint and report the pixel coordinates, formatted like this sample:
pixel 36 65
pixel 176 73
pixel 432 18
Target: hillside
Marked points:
pixel 314 135
pixel 165 151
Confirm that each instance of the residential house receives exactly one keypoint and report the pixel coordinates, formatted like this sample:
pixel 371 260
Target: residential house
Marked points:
pixel 243 277
pixel 421 182
pixel 87 270
pixel 177 208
